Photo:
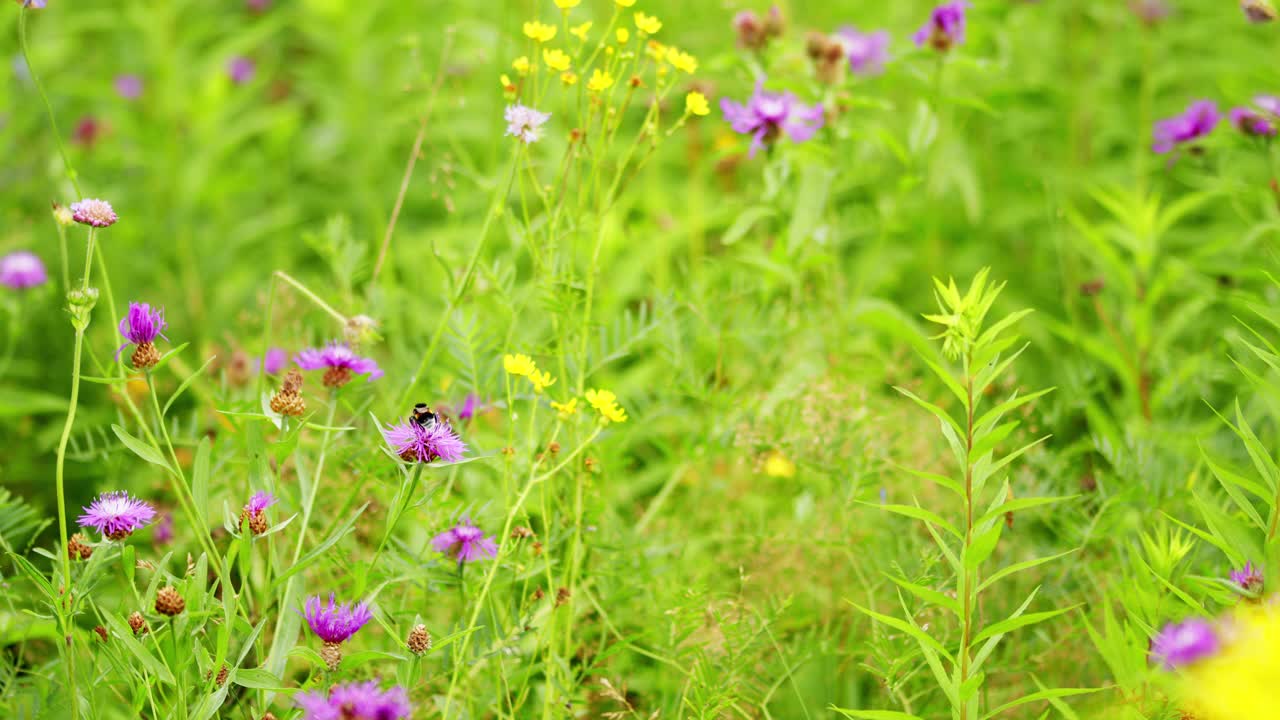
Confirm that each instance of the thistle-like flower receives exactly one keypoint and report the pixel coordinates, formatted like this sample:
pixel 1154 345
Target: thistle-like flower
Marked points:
pixel 339 363
pixel 1200 118
pixel 22 270
pixel 241 70
pixel 128 87
pixel 169 602
pixel 335 624
pixel 416 442
pixel 254 513
pixel 866 52
pixel 419 640
pixel 465 543
pixel 141 326
pixel 95 213
pixel 1184 643
pixel 945 28
pixel 525 123
pixel 288 401
pixel 1248 578
pixel 356 701
pixel 274 361
pixel 116 515
pixel 767 116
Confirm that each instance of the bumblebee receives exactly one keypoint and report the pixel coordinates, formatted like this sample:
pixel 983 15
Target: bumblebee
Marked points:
pixel 423 415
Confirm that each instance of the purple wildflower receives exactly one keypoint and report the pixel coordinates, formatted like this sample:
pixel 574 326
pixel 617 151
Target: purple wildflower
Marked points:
pixel 1249 578
pixel 469 407
pixel 162 531
pixel 96 213
pixel 335 623
pixel 21 270
pixel 1184 643
pixel 465 542
pixel 867 52
pixel 142 325
pixel 33 4
pixel 767 115
pixel 1258 11
pixel 525 123
pixel 116 515
pixel 339 362
pixel 1151 12
pixel 87 131
pixel 240 69
pixel 254 512
pixel 945 28
pixel 258 5
pixel 128 87
pixel 356 701
pixel 1251 122
pixel 415 442
pixel 1200 118
pixel 274 361
pixel 260 501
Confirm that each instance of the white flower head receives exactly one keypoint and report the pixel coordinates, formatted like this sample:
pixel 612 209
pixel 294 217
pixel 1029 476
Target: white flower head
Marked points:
pixel 525 123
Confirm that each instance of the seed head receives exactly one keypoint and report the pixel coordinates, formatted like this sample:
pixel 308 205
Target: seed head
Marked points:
pixel 419 640
pixel 78 547
pixel 169 602
pixel 137 623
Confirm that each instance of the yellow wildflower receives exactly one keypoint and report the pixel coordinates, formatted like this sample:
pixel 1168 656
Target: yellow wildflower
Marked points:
pixel 505 80
pixel 647 23
pixel 599 81
pixel 625 3
pixel 1239 681
pixel 580 31
pixel 656 50
pixel 567 4
pixel 541 380
pixel 569 78
pixel 623 36
pixel 521 365
pixel 556 59
pixel 539 31
pixel 682 60
pixel 521 65
pixel 565 410
pixel 779 466
pixel 695 103
pixel 606 403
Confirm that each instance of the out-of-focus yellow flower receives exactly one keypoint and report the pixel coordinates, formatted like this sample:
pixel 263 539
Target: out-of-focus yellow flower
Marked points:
pixel 599 81
pixel 505 80
pixel 1240 681
pixel 556 59
pixel 567 4
pixel 539 31
pixel 779 466
pixel 682 60
pixel 580 31
pixel 656 50
pixel 541 380
pixel 520 365
pixel 695 103
pixel 623 35
pixel 565 410
pixel 648 23
pixel 606 403
pixel 625 3
pixel 522 65
pixel 569 78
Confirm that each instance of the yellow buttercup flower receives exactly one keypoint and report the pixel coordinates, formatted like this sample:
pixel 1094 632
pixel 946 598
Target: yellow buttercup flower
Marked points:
pixel 656 50
pixel 580 31
pixel 682 60
pixel 1240 680
pixel 521 65
pixel 520 365
pixel 504 80
pixel 648 23
pixel 777 465
pixel 539 31
pixel 565 410
pixel 569 78
pixel 695 103
pixel 567 4
pixel 623 36
pixel 599 81
pixel 556 59
pixel 606 403
pixel 541 380
pixel 625 3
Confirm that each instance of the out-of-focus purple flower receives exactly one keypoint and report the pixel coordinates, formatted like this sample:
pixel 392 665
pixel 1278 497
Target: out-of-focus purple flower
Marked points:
pixel 1249 578
pixel 87 131
pixel 1151 12
pixel 240 69
pixel 335 623
pixel 128 87
pixel 768 115
pixel 469 406
pixel 1269 104
pixel 1200 118
pixel 162 533
pixel 465 543
pixel 116 515
pixel 945 28
pixel 274 361
pixel 356 701
pixel 339 362
pixel 257 5
pixel 1183 643
pixel 33 4
pixel 93 212
pixel 1251 122
pixel 867 52
pixel 142 324
pixel 525 123
pixel 21 270
pixel 1258 11
pixel 415 442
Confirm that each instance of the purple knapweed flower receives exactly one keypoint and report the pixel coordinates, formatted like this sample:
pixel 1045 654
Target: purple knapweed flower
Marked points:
pixel 945 28
pixel 257 5
pixel 240 69
pixel 525 123
pixel 469 407
pixel 339 362
pixel 128 87
pixel 21 270
pixel 356 701
pixel 335 623
pixel 465 543
pixel 274 361
pixel 1248 578
pixel 768 115
pixel 96 213
pixel 162 532
pixel 141 326
pixel 1183 643
pixel 116 515
pixel 1251 122
pixel 254 514
pixel 867 52
pixel 1200 118
pixel 33 4
pixel 424 443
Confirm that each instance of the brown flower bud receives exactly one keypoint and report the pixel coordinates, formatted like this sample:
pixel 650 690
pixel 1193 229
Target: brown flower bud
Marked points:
pixel 145 356
pixel 169 602
pixel 419 640
pixel 562 596
pixel 331 652
pixel 102 632
pixel 520 532
pixel 137 623
pixel 553 448
pixel 78 547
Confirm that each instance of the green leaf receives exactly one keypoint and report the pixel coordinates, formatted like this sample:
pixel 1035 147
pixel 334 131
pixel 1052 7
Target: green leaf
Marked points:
pixel 200 474
pixel 1013 623
pixel 122 633
pixel 1020 504
pixel 140 448
pixel 1013 403
pixel 319 550
pixel 982 546
pixel 934 410
pixel 183 387
pixel 909 628
pixel 989 441
pixel 257 678
pixel 1005 572
pixel 15 402
pixel 1040 695
pixel 929 595
pixel 746 220
pixel 876 714
pixel 918 513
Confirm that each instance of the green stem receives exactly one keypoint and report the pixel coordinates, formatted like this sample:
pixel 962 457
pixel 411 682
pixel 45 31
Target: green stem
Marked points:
pixel 398 511
pixel 53 122
pixel 342 319
pixel 309 502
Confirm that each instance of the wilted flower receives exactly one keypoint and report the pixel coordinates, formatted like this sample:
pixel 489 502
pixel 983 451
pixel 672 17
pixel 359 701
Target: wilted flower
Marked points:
pixel 141 326
pixel 254 512
pixel 465 543
pixel 128 87
pixel 525 123
pixel 116 515
pixel 356 701
pixel 415 442
pixel 766 116
pixel 335 624
pixel 1200 118
pixel 78 547
pixel 1249 578
pixel 96 213
pixel 21 270
pixel 945 28
pixel 1184 643
pixel 240 69
pixel 867 52
pixel 288 400
pixel 339 362
pixel 751 30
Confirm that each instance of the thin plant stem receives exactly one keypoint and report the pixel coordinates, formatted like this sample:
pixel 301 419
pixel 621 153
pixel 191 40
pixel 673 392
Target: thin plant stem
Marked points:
pixel 53 122
pixel 342 319
pixel 309 502
pixel 415 477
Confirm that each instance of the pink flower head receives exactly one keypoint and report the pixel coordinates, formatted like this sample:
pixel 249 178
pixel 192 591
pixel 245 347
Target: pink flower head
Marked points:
pixel 274 361
pixel 469 407
pixel 340 361
pixel 356 701
pixel 116 515
pixel 1251 122
pixel 33 4
pixel 867 52
pixel 240 69
pixel 1200 118
pixel 424 443
pixel 21 270
pixel 1249 578
pixel 95 213
pixel 335 623
pixel 87 131
pixel 767 115
pixel 142 325
pixel 465 542
pixel 945 28
pixel 162 532
pixel 1184 643
pixel 128 87
pixel 525 123
pixel 260 501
